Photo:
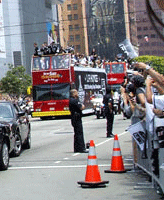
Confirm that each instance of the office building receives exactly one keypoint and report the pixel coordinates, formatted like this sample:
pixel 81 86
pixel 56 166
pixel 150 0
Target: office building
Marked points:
pixel 21 24
pixel 96 24
pixel 150 42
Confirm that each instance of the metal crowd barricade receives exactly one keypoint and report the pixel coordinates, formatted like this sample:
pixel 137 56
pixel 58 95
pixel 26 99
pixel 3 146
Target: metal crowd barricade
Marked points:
pixel 143 160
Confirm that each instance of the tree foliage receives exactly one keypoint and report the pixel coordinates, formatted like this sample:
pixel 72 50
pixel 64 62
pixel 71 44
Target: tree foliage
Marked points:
pixel 16 81
pixel 157 62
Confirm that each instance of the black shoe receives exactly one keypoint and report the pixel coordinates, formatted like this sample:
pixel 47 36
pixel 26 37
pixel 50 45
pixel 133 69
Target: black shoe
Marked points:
pixel 110 136
pixel 83 151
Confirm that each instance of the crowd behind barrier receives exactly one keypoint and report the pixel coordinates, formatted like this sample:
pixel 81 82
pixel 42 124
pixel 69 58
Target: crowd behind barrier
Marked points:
pixel 142 96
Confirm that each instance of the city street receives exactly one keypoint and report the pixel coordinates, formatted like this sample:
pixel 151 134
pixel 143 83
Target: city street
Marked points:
pixel 50 170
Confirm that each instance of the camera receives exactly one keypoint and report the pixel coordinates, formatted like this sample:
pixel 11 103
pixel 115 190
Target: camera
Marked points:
pixel 130 88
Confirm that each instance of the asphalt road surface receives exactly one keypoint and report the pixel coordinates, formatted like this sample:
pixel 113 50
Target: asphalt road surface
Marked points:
pixel 50 170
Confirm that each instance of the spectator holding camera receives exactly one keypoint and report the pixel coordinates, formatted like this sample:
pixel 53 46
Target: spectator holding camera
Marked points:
pixel 134 98
pixel 155 80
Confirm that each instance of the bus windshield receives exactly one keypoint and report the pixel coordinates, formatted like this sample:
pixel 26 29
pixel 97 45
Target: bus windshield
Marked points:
pixel 117 68
pixel 51 92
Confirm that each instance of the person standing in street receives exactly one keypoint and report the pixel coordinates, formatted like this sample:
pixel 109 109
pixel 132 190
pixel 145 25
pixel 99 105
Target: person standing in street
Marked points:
pixel 108 102
pixel 76 108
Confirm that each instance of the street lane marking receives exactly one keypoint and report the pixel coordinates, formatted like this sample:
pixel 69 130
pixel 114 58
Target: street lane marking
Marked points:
pixel 75 154
pixel 57 162
pixel 110 139
pixel 57 167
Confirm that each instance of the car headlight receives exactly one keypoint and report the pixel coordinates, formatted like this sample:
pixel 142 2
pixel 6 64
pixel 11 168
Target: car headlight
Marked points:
pixel 98 104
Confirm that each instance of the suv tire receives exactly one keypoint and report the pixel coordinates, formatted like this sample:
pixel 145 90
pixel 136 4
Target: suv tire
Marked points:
pixel 4 156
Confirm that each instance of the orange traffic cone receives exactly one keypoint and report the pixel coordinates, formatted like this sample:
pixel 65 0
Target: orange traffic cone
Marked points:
pixel 92 177
pixel 117 165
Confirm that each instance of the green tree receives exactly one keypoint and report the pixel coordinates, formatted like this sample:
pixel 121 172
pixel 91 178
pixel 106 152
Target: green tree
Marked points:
pixel 157 62
pixel 16 81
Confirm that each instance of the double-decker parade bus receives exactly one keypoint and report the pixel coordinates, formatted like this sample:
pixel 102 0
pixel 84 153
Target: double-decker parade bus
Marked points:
pixel 116 71
pixel 52 78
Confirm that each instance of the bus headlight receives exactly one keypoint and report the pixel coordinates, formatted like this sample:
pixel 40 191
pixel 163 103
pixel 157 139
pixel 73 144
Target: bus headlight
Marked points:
pixel 66 108
pixel 38 110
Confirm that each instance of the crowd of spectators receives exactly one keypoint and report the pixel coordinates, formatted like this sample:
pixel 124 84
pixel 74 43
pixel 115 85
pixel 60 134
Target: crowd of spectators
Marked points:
pixel 143 100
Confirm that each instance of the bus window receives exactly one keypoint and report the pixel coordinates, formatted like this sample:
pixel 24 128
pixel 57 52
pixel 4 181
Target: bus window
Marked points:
pixel 44 63
pixel 60 91
pixel 41 63
pixel 61 62
pixel 36 64
pixel 107 69
pixel 67 60
pixel 117 68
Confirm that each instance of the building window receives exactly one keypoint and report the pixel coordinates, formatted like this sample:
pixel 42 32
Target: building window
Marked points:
pixel 154 52
pixel 139 36
pixel 17 58
pixel 146 44
pixel 78 48
pixel 145 28
pixel 139 28
pixel 76 26
pixel 70 28
pixel 75 7
pixel 77 37
pixel 69 17
pixel 153 44
pixel 71 38
pixel 153 36
pixel 144 19
pixel 69 7
pixel 147 52
pixel 48 4
pixel 76 16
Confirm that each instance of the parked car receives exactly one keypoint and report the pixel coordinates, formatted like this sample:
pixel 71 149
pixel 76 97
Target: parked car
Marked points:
pixel 15 132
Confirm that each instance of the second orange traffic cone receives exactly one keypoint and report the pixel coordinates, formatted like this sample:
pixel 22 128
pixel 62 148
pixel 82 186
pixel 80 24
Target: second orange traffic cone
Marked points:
pixel 117 165
pixel 92 177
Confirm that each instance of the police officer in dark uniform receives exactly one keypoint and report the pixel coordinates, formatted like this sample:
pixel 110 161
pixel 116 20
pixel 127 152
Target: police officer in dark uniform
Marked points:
pixel 108 102
pixel 76 120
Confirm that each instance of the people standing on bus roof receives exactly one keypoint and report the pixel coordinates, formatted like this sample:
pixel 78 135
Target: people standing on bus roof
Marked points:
pixel 52 48
pixel 62 50
pixel 94 56
pixel 76 120
pixel 36 49
pixel 109 114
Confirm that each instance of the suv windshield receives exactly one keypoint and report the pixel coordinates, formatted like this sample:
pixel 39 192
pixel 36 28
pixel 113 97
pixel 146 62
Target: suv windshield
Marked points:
pixel 5 111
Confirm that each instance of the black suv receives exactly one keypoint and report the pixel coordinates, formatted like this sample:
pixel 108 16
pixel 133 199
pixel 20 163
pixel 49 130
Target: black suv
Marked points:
pixel 15 132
